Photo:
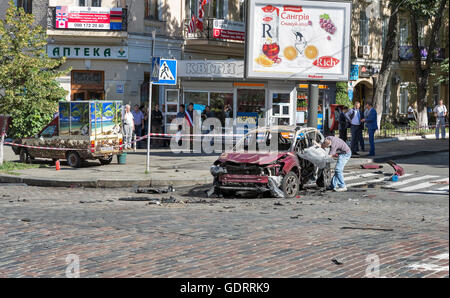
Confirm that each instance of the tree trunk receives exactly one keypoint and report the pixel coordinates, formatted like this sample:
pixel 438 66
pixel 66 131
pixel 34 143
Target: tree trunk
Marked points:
pixel 423 73
pixel 386 65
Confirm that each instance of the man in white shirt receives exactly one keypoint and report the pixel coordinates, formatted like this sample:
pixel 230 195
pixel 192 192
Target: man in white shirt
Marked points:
pixel 440 112
pixel 128 127
pixel 354 116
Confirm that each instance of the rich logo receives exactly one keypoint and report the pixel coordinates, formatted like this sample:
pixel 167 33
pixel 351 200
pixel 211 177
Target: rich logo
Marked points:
pixel 326 62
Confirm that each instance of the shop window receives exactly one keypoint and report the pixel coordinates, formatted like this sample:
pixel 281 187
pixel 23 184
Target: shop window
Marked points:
pixel 242 10
pixel 27 5
pixel 153 9
pixel 198 99
pixel 218 102
pixel 363 29
pixel 87 85
pixel 91 3
pixel 250 100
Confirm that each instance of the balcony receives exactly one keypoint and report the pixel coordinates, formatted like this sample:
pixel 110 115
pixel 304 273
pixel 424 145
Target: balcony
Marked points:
pixel 120 24
pixel 405 53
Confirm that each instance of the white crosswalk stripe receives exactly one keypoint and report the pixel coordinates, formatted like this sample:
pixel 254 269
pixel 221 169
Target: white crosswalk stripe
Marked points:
pixel 407 181
pixel 426 184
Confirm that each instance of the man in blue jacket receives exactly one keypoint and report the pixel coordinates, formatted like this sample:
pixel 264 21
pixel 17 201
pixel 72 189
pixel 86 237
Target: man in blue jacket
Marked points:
pixel 372 126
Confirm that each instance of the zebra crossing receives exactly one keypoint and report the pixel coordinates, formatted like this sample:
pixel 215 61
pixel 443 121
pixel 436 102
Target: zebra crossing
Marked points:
pixel 408 184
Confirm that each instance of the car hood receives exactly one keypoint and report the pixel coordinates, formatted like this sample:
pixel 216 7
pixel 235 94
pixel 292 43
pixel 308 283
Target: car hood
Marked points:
pixel 251 158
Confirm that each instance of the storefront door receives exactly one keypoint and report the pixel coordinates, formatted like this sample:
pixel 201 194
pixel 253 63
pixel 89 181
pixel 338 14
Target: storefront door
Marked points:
pixel 281 108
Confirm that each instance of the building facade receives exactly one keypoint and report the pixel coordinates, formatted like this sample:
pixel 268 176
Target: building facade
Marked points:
pixel 111 59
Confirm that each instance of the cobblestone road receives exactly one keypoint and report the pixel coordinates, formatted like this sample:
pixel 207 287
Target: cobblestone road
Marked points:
pixel 198 237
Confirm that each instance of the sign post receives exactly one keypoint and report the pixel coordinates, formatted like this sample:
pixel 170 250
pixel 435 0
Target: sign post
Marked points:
pixel 164 72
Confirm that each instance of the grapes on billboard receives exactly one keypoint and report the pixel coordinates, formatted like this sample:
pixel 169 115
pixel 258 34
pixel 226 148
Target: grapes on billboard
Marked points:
pixel 306 41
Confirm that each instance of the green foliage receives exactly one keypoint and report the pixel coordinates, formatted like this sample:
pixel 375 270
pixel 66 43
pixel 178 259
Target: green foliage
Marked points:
pixel 342 94
pixel 443 74
pixel 9 167
pixel 387 125
pixel 412 124
pixel 27 76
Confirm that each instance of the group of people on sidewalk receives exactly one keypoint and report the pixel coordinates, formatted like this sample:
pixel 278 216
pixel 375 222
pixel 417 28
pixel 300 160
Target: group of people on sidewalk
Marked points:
pixel 356 120
pixel 135 123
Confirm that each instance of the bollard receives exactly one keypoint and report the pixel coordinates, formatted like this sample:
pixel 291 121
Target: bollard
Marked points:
pixel 58 167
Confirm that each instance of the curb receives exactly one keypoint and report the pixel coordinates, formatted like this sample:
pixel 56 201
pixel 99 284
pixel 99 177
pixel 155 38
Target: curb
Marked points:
pixel 103 183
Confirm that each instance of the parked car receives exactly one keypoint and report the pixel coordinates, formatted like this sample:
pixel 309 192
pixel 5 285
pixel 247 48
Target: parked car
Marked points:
pixel 267 160
pixel 83 130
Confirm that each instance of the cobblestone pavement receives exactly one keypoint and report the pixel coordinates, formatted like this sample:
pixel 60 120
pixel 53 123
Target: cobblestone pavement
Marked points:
pixel 199 237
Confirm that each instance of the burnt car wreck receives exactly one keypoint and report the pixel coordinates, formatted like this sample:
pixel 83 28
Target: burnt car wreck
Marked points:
pixel 277 160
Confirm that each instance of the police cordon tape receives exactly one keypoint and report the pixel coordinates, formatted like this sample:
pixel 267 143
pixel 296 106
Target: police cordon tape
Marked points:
pixel 127 144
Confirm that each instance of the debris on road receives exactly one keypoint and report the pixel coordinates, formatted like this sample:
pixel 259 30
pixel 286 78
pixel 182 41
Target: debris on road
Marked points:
pixel 371 166
pixel 399 171
pixel 154 190
pixel 138 199
pixel 278 204
pixel 337 262
pixel 25 220
pixel 171 199
pixel 363 228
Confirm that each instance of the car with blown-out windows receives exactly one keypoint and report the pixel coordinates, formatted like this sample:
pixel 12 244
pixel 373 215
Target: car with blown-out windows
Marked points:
pixel 276 160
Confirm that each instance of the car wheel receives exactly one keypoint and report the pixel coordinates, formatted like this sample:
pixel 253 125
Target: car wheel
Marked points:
pixel 290 185
pixel 325 177
pixel 73 159
pixel 24 157
pixel 106 161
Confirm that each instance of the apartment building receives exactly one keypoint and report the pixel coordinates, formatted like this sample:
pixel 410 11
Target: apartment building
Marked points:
pixel 112 60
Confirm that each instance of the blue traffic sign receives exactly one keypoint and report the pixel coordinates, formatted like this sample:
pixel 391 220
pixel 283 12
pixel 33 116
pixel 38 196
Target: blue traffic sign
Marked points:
pixel 164 71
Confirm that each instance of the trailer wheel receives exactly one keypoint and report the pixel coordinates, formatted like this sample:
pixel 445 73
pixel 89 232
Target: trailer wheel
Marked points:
pixel 24 157
pixel 290 185
pixel 106 161
pixel 73 159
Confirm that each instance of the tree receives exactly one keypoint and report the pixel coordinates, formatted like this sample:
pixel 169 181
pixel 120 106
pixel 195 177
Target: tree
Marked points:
pixel 28 89
pixel 431 10
pixel 386 64
pixel 342 94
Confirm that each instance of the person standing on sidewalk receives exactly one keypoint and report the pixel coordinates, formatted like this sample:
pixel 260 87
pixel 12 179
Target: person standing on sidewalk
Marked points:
pixel 354 116
pixel 440 112
pixel 343 124
pixel 371 123
pixel 340 148
pixel 128 126
pixel 138 117
pixel 157 120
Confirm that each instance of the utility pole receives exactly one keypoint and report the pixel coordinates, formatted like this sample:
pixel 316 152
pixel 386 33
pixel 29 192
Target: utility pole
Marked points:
pixel 150 89
pixel 313 104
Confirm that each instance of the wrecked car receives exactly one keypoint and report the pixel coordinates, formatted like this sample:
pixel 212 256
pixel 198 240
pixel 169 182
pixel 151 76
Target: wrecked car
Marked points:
pixel 273 160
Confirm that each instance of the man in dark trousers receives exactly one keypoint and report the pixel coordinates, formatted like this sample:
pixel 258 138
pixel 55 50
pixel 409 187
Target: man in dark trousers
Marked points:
pixel 343 124
pixel 372 126
pixel 354 116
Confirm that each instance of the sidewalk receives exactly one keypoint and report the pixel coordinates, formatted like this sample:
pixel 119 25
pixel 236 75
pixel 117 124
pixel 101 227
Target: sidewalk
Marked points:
pixel 167 168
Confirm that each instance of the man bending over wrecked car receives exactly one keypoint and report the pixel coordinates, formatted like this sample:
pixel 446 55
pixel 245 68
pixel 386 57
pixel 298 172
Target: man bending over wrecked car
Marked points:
pixel 338 147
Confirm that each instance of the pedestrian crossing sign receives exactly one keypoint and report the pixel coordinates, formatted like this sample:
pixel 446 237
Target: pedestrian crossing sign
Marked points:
pixel 164 71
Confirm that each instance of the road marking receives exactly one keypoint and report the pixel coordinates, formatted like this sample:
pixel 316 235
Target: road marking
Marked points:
pixel 418 186
pixel 395 184
pixel 359 176
pixel 443 256
pixel 367 182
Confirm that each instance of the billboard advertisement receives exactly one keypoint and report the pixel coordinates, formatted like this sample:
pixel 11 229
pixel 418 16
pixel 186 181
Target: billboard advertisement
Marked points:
pixel 88 18
pixel 306 41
